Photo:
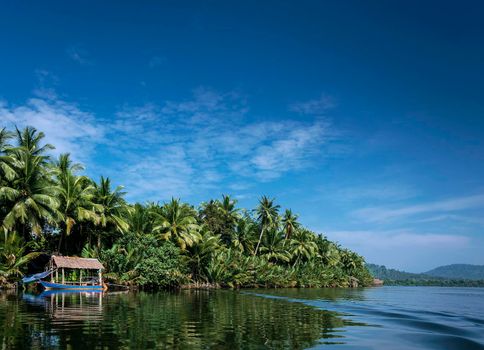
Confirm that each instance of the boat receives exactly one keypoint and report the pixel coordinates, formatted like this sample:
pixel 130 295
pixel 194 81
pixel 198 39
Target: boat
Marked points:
pixel 64 286
pixel 61 267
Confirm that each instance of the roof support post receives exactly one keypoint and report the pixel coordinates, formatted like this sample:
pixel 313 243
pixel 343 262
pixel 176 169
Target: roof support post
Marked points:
pixel 63 276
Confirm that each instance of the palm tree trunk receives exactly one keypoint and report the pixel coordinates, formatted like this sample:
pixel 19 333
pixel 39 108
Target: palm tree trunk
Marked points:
pixel 258 243
pixel 60 242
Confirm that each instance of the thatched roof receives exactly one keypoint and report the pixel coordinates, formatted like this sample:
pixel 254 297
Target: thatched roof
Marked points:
pixel 76 263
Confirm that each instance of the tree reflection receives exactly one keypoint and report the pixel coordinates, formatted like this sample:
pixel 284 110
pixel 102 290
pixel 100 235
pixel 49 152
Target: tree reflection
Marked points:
pixel 184 319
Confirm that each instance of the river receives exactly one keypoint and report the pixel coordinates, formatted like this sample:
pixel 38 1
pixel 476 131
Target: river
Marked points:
pixel 370 318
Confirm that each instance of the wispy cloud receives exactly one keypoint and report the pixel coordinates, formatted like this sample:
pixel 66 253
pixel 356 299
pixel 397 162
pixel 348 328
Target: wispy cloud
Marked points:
pixel 398 238
pixel 178 148
pixel 79 54
pixel 383 192
pixel 67 127
pixel 219 141
pixel 461 219
pixel 314 107
pixel 385 214
pixel 156 61
pixel 409 250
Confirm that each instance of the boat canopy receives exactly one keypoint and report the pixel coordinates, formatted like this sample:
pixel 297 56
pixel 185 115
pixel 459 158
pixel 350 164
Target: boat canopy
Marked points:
pixel 76 263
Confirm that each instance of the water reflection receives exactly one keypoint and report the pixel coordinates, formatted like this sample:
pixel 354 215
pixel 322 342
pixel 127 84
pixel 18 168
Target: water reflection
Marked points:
pixel 64 306
pixel 186 319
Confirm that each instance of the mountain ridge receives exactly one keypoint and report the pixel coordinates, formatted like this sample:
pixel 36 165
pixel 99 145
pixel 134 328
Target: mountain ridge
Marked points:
pixel 458 271
pixel 445 272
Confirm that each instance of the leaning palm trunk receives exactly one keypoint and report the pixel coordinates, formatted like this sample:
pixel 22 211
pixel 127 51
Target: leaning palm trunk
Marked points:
pixel 258 243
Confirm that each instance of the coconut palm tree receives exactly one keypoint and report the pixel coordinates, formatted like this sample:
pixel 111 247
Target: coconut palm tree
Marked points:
pixel 220 217
pixel 177 221
pixel 5 135
pixel 13 257
pixel 5 161
pixel 6 170
pixel 303 246
pixel 267 216
pixel 243 236
pixel 29 192
pixel 230 216
pixel 113 207
pixel 30 139
pixel 273 248
pixel 351 261
pixel 328 251
pixel 200 254
pixel 141 218
pixel 76 194
pixel 289 224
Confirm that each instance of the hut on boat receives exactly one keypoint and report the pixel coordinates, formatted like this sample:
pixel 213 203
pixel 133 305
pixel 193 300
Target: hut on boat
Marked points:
pixel 87 273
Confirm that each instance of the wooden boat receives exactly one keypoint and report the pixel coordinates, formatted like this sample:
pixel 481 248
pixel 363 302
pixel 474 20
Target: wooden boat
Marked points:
pixel 63 264
pixel 64 286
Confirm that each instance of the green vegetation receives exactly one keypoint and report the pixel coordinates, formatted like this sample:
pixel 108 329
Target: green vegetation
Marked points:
pixel 459 271
pixel 48 206
pixel 393 277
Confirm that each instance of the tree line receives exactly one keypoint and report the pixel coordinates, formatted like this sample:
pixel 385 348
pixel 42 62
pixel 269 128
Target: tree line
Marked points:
pixel 393 277
pixel 49 206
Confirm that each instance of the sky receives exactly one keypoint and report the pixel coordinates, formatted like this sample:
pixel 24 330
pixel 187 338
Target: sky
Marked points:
pixel 365 118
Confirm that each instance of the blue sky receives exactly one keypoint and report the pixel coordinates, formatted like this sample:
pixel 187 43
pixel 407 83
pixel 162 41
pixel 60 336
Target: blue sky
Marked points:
pixel 366 118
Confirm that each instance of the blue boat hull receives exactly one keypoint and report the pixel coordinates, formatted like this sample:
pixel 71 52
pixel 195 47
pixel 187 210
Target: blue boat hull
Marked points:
pixel 50 285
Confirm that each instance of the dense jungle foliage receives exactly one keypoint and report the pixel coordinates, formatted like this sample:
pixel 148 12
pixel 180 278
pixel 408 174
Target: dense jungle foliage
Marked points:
pixel 48 206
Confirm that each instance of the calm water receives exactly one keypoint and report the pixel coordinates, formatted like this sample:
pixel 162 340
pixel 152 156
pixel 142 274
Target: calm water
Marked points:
pixel 374 318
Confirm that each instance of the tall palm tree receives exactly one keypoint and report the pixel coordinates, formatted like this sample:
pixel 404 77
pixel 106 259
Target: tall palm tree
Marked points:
pixel 141 218
pixel 30 139
pixel 76 194
pixel 267 216
pixel 289 223
pixel 230 216
pixel 177 221
pixel 273 247
pixel 5 135
pixel 220 217
pixel 6 170
pixel 200 254
pixel 113 207
pixel 243 237
pixel 5 161
pixel 303 246
pixel 351 261
pixel 29 192
pixel 328 251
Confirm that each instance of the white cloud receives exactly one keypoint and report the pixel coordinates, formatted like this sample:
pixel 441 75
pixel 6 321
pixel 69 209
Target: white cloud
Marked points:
pixel 380 192
pixel 66 126
pixel 383 214
pixel 218 140
pixel 314 107
pixel 177 148
pixel 79 54
pixel 156 61
pixel 158 176
pixel 408 250
pixel 398 238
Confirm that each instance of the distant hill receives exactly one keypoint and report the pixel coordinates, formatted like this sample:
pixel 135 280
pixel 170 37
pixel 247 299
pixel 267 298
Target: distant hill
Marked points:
pixel 458 275
pixel 458 271
pixel 384 273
